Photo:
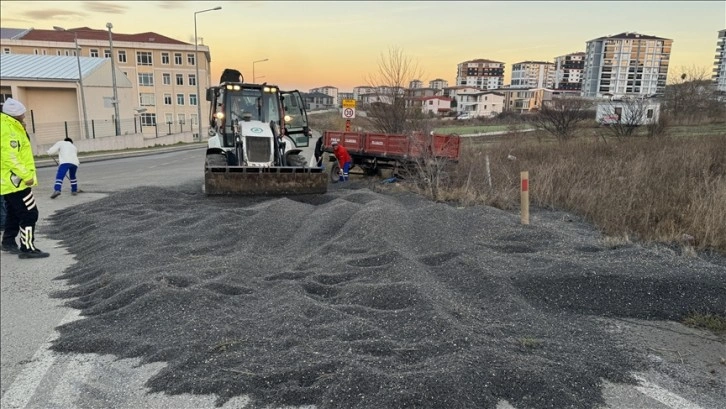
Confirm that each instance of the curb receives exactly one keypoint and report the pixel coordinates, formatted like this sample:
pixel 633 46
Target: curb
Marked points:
pixel 46 163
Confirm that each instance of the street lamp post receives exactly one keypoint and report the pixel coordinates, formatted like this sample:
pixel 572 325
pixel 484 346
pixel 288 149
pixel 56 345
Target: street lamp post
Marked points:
pixel 196 63
pixel 116 120
pixel 80 79
pixel 254 79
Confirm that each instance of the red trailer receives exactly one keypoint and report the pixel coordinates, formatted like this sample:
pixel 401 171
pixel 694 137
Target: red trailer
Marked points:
pixel 374 151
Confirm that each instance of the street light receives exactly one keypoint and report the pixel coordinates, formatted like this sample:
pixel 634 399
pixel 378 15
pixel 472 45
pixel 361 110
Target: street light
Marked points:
pixel 254 79
pixel 80 78
pixel 116 120
pixel 196 63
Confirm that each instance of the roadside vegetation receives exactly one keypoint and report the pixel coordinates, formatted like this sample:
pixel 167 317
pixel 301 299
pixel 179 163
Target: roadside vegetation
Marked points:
pixel 711 322
pixel 668 188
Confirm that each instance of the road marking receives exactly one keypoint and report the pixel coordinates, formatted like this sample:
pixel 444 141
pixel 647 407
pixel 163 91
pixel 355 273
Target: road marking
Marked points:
pixel 26 383
pixel 663 396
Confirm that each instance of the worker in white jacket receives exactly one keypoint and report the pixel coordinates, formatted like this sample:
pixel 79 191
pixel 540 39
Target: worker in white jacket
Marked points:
pixel 67 163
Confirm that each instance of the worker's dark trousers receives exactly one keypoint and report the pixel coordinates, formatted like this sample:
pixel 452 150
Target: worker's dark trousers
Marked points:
pixel 22 213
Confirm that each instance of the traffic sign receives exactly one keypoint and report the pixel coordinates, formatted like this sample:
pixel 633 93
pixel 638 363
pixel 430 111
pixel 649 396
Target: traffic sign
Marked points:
pixel 348 113
pixel 348 103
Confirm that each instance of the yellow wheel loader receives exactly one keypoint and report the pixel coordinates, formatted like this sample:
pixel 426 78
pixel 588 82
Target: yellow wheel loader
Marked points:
pixel 259 141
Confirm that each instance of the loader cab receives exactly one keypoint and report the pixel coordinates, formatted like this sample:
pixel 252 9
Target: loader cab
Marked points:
pixel 232 103
pixel 296 118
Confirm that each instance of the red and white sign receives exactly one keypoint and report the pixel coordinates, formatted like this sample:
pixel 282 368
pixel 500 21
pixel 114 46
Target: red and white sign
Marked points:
pixel 348 113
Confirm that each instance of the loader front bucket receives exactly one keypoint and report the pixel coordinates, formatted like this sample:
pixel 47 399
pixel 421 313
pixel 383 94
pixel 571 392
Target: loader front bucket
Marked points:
pixel 276 181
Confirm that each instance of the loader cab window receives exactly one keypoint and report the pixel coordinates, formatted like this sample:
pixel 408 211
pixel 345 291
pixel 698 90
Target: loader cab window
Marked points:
pixel 244 104
pixel 261 105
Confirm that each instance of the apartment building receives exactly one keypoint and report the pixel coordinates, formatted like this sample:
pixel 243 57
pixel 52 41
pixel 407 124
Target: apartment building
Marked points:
pixel 162 70
pixel 360 91
pixel 438 83
pixel 569 69
pixel 328 90
pixel 415 84
pixel 479 104
pixel 626 64
pixel 533 74
pixel 719 71
pixel 434 105
pixel 481 73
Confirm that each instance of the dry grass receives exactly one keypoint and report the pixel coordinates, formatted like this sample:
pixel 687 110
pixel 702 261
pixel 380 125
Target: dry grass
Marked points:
pixel 711 322
pixel 669 190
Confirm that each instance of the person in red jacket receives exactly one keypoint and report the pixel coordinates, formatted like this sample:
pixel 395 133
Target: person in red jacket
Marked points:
pixel 344 160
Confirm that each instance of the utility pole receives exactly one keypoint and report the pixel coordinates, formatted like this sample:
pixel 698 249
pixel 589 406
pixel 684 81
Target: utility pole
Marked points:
pixel 116 120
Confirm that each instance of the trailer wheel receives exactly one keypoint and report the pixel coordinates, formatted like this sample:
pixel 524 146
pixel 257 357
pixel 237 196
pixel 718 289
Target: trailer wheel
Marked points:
pixel 216 160
pixel 296 161
pixel 334 169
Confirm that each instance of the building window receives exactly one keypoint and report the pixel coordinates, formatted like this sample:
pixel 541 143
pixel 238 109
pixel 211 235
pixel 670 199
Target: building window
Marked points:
pixel 94 52
pixel 107 53
pixel 146 79
pixel 144 58
pixel 165 58
pixel 179 79
pixel 182 119
pixel 649 114
pixel 167 99
pixel 168 118
pixel 193 99
pixel 148 119
pixel 191 60
pixel 180 99
pixel 36 52
pixel 58 52
pixel 192 79
pixel 6 51
pixel 166 78
pixel 177 58
pixel 146 100
pixel 193 119
pixel 122 56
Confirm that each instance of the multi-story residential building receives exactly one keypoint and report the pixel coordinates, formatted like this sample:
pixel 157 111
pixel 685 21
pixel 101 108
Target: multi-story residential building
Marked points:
pixel 415 84
pixel 719 71
pixel 162 70
pixel 344 95
pixel 482 74
pixel 435 105
pixel 423 92
pixel 626 64
pixel 533 74
pixel 318 100
pixel 568 71
pixel 438 83
pixel 360 91
pixel 328 90
pixel 478 103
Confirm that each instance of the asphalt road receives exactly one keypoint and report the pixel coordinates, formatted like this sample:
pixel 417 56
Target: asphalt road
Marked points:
pixel 35 377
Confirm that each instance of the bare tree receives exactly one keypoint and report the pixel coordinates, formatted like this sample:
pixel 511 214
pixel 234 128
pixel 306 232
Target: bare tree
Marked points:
pixel 692 97
pixel 390 113
pixel 562 115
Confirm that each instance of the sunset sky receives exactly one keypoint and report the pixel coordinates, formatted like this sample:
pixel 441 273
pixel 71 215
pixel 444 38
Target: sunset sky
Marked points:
pixel 340 43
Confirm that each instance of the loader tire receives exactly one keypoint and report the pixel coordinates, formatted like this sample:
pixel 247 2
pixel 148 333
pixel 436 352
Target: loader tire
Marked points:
pixel 216 160
pixel 334 169
pixel 296 160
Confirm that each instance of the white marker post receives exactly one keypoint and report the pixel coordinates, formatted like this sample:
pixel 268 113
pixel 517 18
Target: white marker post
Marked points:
pixel 524 176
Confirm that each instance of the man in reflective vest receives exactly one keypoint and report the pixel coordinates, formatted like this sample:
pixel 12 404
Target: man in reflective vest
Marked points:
pixel 17 176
